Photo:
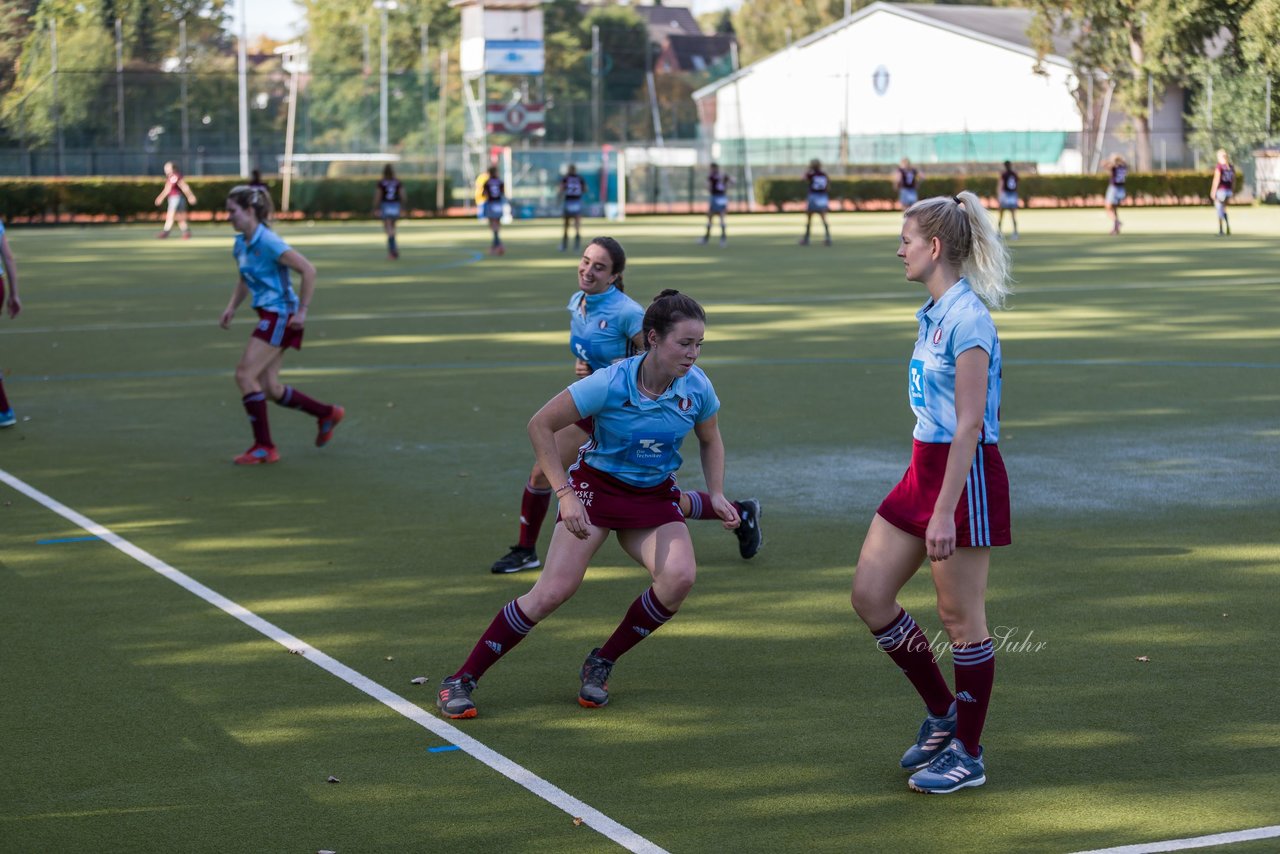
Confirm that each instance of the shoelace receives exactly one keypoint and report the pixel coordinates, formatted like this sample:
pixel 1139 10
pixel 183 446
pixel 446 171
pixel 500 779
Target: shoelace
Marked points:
pixel 945 761
pixel 596 672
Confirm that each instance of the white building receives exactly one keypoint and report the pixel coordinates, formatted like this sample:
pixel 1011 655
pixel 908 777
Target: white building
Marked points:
pixel 937 84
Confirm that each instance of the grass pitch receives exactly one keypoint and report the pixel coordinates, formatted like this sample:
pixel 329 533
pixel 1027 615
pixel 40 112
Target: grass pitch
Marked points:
pixel 1142 387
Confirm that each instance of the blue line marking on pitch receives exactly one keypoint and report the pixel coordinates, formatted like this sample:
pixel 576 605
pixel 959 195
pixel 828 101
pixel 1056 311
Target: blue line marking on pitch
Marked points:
pixel 443 749
pixel 66 540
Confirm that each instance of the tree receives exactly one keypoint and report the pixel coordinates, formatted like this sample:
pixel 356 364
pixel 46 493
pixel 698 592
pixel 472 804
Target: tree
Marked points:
pixel 1131 42
pixel 767 26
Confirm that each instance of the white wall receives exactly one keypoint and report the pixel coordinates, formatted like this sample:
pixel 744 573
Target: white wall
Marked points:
pixel 939 81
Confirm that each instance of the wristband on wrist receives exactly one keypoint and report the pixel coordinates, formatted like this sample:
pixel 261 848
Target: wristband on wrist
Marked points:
pixel 562 490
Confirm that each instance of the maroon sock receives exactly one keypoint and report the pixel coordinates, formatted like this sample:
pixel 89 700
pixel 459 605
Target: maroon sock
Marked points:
pixel 4 401
pixel 294 399
pixel 508 628
pixel 700 506
pixel 909 649
pixel 975 674
pixel 645 616
pixel 533 512
pixel 256 405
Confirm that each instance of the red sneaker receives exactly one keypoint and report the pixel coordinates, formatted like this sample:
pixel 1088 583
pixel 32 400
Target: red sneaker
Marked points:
pixel 186 235
pixel 327 425
pixel 258 455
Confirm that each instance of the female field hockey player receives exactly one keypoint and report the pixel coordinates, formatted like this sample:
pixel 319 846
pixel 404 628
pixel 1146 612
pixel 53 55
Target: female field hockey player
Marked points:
pixel 494 201
pixel 718 189
pixel 177 195
pixel 623 481
pixel 819 186
pixel 388 199
pixel 1222 189
pixel 9 298
pixel 1007 195
pixel 605 327
pixel 1119 171
pixel 952 505
pixel 571 190
pixel 264 262
pixel 908 183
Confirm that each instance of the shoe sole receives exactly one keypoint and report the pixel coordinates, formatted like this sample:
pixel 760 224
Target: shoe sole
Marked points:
pixel 587 704
pixel 326 436
pixel 469 713
pixel 976 781
pixel 508 570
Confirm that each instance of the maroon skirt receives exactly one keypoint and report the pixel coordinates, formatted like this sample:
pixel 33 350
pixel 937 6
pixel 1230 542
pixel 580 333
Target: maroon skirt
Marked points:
pixel 611 503
pixel 274 329
pixel 982 513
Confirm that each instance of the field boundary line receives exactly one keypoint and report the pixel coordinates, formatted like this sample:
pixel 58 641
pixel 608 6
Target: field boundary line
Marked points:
pixel 518 774
pixel 1192 842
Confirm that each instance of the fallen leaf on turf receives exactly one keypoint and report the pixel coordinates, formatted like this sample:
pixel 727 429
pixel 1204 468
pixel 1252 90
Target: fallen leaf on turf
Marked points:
pixel 297 652
pixel 419 680
pixel 389 658
pixel 333 779
pixel 1226 615
pixel 326 851
pixel 1144 659
pixel 577 822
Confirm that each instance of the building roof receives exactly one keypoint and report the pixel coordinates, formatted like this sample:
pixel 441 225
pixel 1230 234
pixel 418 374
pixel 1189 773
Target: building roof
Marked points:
pixel 663 21
pixel 999 26
pixel 697 53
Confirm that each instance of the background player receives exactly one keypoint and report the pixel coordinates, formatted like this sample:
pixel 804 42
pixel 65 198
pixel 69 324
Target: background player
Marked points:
pixel 1114 197
pixel 1007 195
pixel 1222 188
pixel 11 302
pixel 389 198
pixel 572 188
pixel 494 201
pixel 177 195
pixel 623 481
pixel 819 186
pixel 264 262
pixel 718 184
pixel 908 183
pixel 952 505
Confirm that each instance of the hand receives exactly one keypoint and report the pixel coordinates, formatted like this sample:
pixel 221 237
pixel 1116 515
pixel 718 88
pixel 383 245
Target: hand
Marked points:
pixel 227 314
pixel 581 369
pixel 726 511
pixel 574 515
pixel 15 305
pixel 297 320
pixel 940 536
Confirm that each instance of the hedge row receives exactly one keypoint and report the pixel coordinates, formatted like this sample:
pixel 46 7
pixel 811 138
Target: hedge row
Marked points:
pixel 1181 186
pixel 134 198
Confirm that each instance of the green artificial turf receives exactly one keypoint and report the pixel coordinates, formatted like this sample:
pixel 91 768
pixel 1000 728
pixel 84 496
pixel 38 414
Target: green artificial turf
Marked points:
pixel 1139 425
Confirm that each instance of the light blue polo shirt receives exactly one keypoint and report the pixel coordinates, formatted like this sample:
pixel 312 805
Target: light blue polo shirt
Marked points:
pixel 604 335
pixel 637 440
pixel 957 322
pixel 260 267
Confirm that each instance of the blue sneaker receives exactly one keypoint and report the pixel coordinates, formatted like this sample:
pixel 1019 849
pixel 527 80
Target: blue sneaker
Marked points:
pixel 952 769
pixel 935 734
pixel 7 418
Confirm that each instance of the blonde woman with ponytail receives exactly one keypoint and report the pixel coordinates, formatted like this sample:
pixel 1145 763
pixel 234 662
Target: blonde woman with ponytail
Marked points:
pixel 952 505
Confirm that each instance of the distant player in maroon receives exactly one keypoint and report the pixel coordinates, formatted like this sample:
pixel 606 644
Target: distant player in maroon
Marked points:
pixel 819 201
pixel 9 273
pixel 572 188
pixel 177 195
pixel 389 200
pixel 1007 194
pixel 494 192
pixel 718 189
pixel 908 184
pixel 1115 191
pixel 1222 189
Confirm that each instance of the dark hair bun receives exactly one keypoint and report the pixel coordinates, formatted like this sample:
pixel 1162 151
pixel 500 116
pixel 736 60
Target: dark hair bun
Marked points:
pixel 668 292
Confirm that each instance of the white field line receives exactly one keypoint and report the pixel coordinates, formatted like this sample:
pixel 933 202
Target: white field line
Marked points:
pixel 1193 842
pixel 550 793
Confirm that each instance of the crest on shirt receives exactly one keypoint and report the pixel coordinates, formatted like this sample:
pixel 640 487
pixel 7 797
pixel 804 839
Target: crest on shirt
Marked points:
pixel 685 404
pixel 937 336
pixel 604 324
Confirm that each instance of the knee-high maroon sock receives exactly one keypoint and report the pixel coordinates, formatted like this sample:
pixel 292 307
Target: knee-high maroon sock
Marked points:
pixel 645 616
pixel 909 649
pixel 294 399
pixel 975 665
pixel 533 512
pixel 4 401
pixel 256 405
pixel 700 506
pixel 508 628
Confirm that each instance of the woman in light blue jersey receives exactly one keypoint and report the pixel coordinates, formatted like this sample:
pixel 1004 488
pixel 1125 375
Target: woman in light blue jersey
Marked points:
pixel 9 298
pixel 642 408
pixel 264 261
pixel 952 505
pixel 605 327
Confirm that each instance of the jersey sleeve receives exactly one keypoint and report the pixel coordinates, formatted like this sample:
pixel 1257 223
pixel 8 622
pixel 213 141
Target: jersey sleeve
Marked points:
pixel 973 330
pixel 632 319
pixel 273 245
pixel 591 393
pixel 708 403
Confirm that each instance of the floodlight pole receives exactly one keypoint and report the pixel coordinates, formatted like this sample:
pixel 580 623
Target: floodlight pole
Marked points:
pixel 382 82
pixel 440 123
pixel 120 83
pixel 53 65
pixel 244 88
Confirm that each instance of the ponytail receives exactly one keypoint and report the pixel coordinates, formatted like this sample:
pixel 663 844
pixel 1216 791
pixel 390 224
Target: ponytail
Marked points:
pixel 970 242
pixel 257 198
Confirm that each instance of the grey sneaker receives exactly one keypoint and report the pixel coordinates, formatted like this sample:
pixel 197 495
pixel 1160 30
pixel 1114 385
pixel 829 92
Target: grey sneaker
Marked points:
pixel 515 560
pixel 934 736
pixel 454 698
pixel 595 681
pixel 750 538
